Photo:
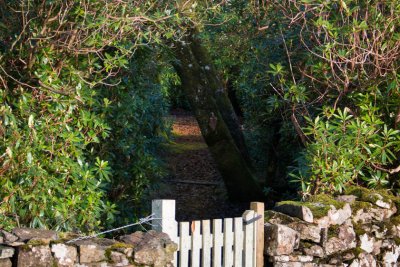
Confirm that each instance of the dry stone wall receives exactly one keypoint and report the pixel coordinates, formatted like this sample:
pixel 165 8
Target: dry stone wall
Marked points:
pixel 361 229
pixel 42 248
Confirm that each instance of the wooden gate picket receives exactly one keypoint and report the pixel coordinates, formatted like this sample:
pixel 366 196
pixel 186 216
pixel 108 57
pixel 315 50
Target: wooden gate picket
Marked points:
pixel 233 242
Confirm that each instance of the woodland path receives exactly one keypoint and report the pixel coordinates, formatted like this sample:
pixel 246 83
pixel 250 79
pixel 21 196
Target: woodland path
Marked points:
pixel 193 179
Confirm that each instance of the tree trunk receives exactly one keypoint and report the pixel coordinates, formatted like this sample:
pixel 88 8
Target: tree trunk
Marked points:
pixel 216 118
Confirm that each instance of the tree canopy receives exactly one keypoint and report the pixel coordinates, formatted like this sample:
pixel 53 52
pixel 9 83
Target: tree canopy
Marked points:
pixel 85 87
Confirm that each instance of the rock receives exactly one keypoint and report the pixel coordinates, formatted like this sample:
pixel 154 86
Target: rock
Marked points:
pixel 91 253
pixel 280 239
pixel 346 198
pixel 391 257
pixel 15 244
pixel 381 202
pixel 8 237
pixel 347 234
pixel 64 255
pixel 5 263
pixel 347 256
pixel 307 230
pixel 118 258
pixel 334 216
pixel 365 212
pixel 35 256
pixel 345 240
pixel 335 245
pixel 367 243
pixel 6 252
pixel 1 240
pixel 25 234
pixel 377 247
pixel 101 264
pixel 295 209
pixel 295 264
pixel 315 250
pixel 292 258
pixel 123 248
pixel 151 248
pixel 367 260
pixel 335 261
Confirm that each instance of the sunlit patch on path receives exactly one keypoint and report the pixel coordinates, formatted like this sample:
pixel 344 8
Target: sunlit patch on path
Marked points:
pixel 194 180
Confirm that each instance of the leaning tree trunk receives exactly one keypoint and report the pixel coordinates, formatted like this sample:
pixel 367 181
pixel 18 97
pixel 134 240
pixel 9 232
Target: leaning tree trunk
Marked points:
pixel 216 118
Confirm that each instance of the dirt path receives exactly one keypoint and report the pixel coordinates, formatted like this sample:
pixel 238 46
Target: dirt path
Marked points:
pixel 194 180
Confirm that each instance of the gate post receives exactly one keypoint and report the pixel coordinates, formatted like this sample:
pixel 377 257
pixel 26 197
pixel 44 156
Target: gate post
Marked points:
pixel 258 207
pixel 164 213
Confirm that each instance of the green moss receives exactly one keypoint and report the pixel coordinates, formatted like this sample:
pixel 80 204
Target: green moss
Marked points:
pixel 371 196
pixel 318 204
pixel 36 242
pixel 283 218
pixel 357 251
pixel 306 244
pixel 33 243
pixel 360 205
pixel 119 245
pixel 116 247
pixel 107 254
pixel 396 240
pixel 333 231
pixel 358 229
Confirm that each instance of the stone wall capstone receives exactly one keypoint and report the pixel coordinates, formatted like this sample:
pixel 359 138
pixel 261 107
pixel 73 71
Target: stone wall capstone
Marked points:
pixel 361 229
pixel 24 247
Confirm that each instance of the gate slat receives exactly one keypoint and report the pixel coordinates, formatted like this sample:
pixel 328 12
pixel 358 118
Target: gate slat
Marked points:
pixel 237 245
pixel 196 243
pixel 218 242
pixel 207 242
pixel 228 242
pixel 238 242
pixel 184 244
pixel 248 239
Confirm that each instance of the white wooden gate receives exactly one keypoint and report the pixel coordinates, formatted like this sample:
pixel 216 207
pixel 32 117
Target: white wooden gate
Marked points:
pixel 221 242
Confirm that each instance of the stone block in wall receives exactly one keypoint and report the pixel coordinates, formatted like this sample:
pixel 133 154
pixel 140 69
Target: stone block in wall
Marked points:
pixel 8 237
pixel 118 258
pixel 295 209
pixel 391 253
pixel 89 253
pixel 315 251
pixel 291 258
pixel 307 230
pixel 6 252
pixel 35 256
pixel 5 263
pixel 151 248
pixel 25 234
pixel 64 255
pixel 334 216
pixel 341 239
pixel 364 260
pixel 295 264
pixel 365 212
pixel 280 239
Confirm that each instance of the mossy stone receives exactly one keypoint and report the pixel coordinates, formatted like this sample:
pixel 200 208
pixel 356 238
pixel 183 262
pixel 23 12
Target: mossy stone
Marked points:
pixel 319 205
pixel 371 196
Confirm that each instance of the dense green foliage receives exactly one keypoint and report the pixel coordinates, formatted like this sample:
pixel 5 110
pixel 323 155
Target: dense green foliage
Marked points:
pixel 85 87
pixel 78 133
pixel 318 83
